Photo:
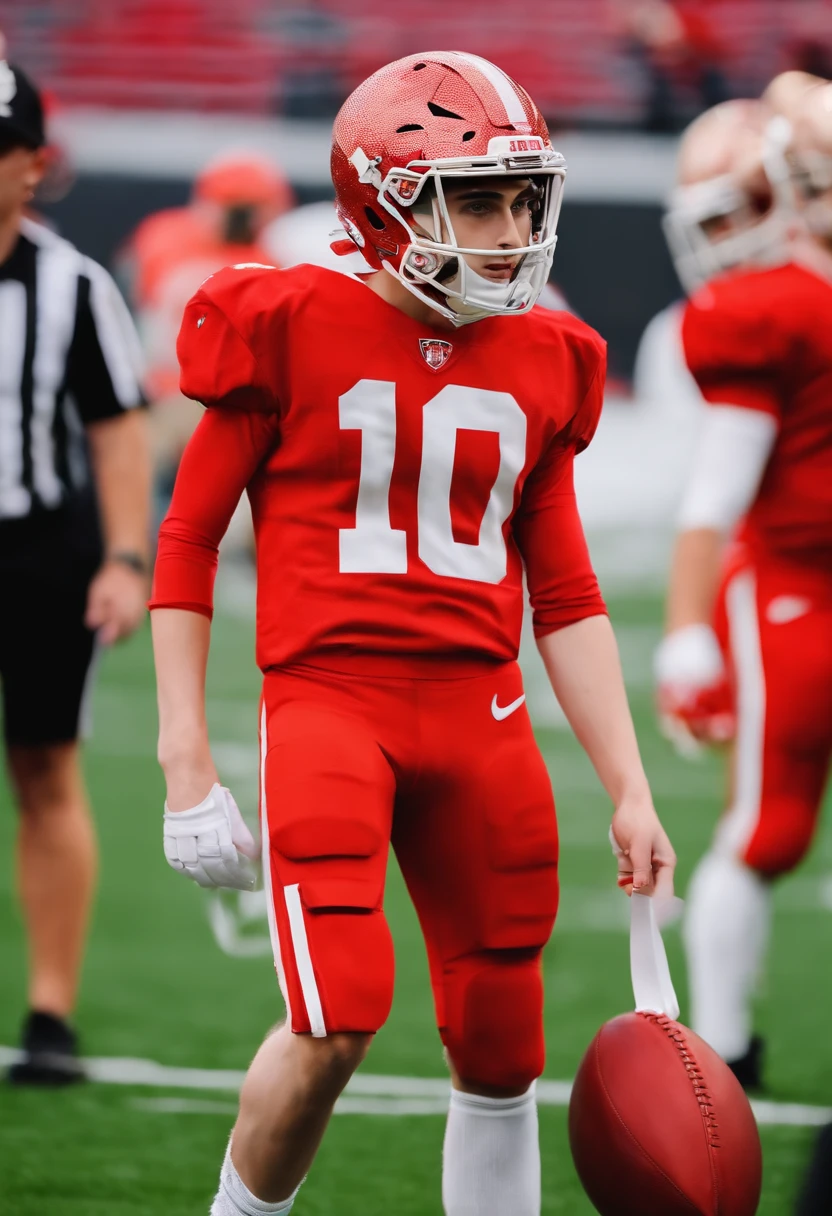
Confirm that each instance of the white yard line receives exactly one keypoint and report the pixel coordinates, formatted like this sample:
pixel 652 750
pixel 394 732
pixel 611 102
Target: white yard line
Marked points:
pixel 790 1114
pixel 367 1094
pixel 118 1071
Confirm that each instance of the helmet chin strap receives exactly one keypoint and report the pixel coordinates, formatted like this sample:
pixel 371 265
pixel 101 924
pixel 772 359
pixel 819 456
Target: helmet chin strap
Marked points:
pixel 481 294
pixel 482 298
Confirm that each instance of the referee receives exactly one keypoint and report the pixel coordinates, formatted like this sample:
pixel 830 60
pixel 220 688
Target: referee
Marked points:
pixel 74 530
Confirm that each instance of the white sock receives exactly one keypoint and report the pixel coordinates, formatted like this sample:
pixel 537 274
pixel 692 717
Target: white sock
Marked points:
pixel 235 1199
pixel 491 1159
pixel 726 935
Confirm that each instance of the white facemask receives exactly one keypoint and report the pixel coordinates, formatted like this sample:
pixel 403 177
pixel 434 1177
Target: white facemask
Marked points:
pixel 465 296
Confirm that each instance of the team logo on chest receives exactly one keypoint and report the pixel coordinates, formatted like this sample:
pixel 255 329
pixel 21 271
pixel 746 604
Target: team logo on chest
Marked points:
pixel 435 352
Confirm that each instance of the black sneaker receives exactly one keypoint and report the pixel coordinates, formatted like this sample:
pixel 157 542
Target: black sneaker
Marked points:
pixel 748 1069
pixel 50 1053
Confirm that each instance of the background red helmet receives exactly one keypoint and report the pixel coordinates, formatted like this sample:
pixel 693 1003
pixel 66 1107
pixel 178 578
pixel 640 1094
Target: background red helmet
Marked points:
pixel 419 120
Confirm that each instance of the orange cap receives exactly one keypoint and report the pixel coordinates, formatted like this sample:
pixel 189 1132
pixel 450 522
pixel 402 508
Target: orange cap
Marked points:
pixel 244 178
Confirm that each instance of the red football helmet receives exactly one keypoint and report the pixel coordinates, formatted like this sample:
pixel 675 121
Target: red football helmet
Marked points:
pixel 445 114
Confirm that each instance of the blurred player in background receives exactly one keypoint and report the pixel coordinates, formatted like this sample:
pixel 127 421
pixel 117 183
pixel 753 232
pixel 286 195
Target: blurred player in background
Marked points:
pixel 713 223
pixel 234 199
pixel 74 538
pixel 748 652
pixel 403 445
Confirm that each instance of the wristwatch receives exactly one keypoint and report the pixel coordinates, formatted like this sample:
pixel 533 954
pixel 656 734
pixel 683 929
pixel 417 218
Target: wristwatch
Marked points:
pixel 127 557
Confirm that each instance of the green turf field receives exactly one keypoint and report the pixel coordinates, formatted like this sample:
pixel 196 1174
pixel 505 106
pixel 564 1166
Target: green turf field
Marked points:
pixel 157 988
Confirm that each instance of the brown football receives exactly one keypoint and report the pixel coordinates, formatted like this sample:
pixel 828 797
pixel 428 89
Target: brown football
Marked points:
pixel 660 1126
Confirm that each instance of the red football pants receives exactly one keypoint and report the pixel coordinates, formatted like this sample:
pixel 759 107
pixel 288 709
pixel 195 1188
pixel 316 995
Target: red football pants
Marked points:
pixel 774 619
pixel 351 763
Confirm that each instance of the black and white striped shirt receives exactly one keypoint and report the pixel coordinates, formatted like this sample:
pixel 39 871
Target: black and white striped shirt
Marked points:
pixel 69 356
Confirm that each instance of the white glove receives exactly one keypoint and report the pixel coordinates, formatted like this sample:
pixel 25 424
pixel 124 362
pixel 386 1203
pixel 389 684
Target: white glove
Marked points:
pixel 211 843
pixel 695 702
pixel 689 659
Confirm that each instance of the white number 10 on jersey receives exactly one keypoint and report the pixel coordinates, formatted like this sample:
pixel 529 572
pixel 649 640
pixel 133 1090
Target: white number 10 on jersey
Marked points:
pixel 372 546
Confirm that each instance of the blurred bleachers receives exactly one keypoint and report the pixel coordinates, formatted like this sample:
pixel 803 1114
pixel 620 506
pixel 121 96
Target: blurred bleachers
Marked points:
pixel 258 56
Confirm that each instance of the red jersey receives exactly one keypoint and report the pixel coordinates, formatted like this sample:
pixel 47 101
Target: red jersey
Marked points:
pixel 762 340
pixel 399 477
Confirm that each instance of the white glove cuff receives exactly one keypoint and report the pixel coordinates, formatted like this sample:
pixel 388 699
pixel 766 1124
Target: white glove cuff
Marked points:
pixel 219 801
pixel 690 655
pixel 199 817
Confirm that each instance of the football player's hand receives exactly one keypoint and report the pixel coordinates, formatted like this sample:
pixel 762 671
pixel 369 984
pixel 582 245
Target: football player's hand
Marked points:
pixel 116 602
pixel 645 856
pixel 694 698
pixel 211 843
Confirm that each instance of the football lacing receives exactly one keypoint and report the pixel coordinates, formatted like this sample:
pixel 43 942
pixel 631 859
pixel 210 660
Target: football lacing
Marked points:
pixel 675 1033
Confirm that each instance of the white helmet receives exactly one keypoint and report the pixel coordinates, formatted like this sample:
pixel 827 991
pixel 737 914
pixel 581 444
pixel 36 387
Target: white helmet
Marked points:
pixel 726 211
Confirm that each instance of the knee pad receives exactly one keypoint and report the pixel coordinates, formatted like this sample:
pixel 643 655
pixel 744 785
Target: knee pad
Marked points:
pixel 494 1017
pixel 353 970
pixel 333 952
pixel 329 808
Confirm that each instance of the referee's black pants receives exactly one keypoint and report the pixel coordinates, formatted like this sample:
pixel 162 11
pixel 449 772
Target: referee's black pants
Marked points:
pixel 47 561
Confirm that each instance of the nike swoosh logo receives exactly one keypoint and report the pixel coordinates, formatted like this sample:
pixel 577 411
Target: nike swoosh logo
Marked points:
pixel 786 608
pixel 503 711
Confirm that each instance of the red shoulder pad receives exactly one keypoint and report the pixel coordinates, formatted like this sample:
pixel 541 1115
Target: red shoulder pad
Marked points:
pixel 590 352
pixel 588 414
pixel 574 356
pixel 737 338
pixel 221 341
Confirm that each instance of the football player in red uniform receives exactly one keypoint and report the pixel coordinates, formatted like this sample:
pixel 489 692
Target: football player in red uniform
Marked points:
pixel 406 439
pixel 749 644
pixel 714 223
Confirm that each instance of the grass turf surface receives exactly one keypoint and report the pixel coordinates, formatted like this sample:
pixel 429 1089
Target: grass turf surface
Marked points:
pixel 157 987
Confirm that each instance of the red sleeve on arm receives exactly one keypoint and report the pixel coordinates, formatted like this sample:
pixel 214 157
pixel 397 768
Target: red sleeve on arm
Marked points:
pixel 224 453
pixel 562 585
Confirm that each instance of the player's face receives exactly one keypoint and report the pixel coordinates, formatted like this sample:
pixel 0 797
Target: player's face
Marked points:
pixel 755 208
pixel 492 213
pixel 20 171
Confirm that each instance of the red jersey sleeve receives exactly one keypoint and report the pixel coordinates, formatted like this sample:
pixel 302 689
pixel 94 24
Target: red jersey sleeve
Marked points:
pixel 225 356
pixel 562 585
pixel 223 455
pixel 737 345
